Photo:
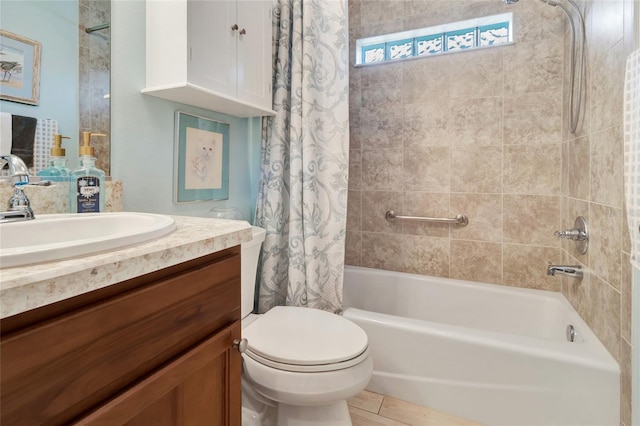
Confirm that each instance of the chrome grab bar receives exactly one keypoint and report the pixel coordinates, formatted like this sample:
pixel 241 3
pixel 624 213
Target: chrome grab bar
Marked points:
pixel 460 219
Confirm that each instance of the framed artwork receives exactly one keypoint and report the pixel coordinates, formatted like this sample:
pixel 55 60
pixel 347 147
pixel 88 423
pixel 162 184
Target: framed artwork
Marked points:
pixel 201 159
pixel 19 69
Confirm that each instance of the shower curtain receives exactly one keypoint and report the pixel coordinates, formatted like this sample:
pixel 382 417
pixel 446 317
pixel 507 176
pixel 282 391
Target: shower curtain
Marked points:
pixel 302 198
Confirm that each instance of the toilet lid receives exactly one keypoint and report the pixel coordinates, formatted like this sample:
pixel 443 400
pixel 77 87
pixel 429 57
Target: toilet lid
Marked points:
pixel 304 337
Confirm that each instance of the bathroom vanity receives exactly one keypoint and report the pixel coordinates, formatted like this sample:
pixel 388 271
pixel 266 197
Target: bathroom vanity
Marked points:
pixel 138 336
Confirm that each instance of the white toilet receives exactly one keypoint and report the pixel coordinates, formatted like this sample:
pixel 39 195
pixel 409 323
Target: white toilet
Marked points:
pixel 301 364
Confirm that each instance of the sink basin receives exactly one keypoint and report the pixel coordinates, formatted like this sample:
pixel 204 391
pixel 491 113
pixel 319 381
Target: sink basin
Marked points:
pixel 63 236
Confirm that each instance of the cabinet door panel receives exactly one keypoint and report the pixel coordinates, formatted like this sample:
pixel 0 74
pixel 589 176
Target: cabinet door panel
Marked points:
pixel 254 52
pixel 192 390
pixel 55 371
pixel 212 45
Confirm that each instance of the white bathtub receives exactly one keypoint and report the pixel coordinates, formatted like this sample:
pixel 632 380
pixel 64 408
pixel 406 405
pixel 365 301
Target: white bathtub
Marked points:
pixel 493 354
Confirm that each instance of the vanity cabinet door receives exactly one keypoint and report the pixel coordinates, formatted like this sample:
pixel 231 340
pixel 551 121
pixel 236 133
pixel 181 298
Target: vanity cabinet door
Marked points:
pixel 201 387
pixel 64 364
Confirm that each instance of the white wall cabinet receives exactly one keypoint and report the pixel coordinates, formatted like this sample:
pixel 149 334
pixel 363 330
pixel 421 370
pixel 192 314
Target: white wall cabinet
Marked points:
pixel 211 54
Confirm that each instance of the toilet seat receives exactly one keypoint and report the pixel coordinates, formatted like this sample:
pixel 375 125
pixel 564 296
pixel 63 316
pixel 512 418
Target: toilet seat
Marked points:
pixel 318 368
pixel 305 340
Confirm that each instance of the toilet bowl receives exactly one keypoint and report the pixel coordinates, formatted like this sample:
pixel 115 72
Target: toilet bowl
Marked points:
pixel 301 364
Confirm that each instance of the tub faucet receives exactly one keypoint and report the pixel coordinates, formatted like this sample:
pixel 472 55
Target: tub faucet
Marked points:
pixel 574 271
pixel 19 204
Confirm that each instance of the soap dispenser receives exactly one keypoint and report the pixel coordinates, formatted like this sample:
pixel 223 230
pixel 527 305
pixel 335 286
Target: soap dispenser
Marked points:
pixel 57 171
pixel 87 186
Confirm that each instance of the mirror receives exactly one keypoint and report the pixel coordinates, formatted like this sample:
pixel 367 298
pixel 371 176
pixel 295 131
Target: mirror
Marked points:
pixel 74 68
pixel 94 76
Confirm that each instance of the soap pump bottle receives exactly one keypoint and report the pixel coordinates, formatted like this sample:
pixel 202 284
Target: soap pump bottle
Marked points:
pixel 57 171
pixel 87 186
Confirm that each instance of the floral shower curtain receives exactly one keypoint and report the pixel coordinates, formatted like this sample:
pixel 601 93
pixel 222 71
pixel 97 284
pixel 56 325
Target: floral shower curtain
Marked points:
pixel 302 199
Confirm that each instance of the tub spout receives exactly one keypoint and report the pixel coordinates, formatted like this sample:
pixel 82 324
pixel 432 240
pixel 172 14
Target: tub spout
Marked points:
pixel 574 271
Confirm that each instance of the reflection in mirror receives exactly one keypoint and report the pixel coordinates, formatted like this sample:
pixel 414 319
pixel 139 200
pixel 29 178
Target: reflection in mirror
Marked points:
pixel 94 70
pixel 74 71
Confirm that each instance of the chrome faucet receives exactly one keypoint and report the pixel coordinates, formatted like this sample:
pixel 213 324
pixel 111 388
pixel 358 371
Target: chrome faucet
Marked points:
pixel 19 205
pixel 574 271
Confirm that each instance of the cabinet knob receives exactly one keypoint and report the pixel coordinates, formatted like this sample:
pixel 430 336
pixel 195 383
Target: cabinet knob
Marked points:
pixel 243 31
pixel 240 345
pixel 234 27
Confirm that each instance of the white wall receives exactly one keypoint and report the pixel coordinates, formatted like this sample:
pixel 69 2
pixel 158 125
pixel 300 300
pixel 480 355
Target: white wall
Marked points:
pixel 142 130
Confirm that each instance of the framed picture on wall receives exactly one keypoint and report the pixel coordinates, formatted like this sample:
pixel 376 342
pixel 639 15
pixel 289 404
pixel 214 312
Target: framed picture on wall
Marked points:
pixel 19 69
pixel 201 159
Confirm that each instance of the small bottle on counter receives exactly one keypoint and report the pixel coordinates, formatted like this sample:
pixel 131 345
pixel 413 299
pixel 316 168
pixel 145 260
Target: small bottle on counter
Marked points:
pixel 87 182
pixel 57 171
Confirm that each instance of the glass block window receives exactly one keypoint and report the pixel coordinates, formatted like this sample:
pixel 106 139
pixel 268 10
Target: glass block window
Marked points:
pixel 400 49
pixel 428 45
pixel 461 39
pixel 373 53
pixel 494 34
pixel 476 33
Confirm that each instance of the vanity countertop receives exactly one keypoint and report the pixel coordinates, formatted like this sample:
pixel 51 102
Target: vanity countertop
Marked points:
pixel 28 287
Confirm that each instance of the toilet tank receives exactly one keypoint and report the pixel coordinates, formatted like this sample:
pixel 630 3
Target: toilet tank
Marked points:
pixel 250 252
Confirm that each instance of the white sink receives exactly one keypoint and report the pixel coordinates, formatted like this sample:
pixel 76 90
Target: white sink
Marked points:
pixel 63 236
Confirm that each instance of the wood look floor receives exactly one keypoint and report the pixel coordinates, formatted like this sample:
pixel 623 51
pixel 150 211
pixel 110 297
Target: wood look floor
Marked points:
pixel 372 409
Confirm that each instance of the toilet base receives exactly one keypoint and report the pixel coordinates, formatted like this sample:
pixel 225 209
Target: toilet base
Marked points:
pixel 266 417
pixel 259 411
pixel 336 414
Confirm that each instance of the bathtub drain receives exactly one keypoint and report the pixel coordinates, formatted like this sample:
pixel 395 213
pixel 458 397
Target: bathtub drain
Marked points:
pixel 571 333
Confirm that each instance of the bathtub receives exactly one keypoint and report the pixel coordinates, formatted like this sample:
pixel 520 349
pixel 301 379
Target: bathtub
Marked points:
pixel 494 354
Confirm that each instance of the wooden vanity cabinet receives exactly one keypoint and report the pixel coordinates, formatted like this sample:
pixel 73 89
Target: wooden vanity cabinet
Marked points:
pixel 153 350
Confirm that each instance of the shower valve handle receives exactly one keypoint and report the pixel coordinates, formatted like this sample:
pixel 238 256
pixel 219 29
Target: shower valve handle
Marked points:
pixel 579 234
pixel 571 234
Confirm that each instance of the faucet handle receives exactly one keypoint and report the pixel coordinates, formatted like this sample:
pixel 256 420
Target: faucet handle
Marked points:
pixel 17 168
pixel 20 202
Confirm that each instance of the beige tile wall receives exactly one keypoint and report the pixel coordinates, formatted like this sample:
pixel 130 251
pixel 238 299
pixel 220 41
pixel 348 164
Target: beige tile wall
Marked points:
pixel 482 133
pixel 478 133
pixel 593 186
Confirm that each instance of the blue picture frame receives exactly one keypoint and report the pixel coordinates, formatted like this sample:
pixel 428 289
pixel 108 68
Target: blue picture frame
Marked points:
pixel 201 159
pixel 19 69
